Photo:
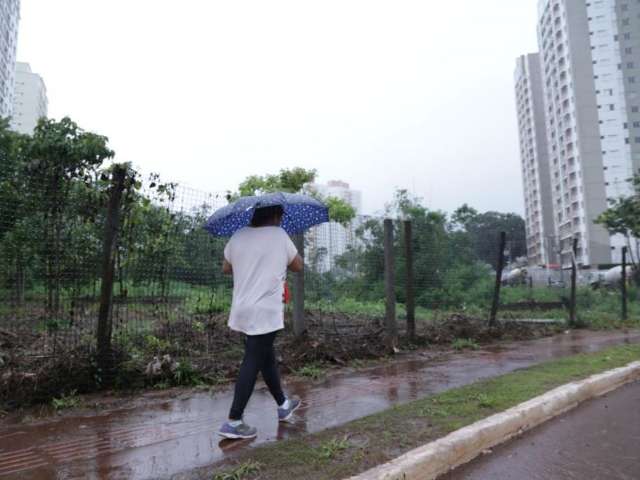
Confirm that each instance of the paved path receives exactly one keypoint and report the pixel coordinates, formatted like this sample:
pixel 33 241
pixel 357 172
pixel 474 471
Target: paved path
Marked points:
pixel 599 440
pixel 156 438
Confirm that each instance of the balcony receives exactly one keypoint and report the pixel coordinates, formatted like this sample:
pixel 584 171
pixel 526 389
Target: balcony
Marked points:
pixel 567 236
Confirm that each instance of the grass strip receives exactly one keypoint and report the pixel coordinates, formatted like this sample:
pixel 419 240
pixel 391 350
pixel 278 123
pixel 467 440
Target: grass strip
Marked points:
pixel 354 447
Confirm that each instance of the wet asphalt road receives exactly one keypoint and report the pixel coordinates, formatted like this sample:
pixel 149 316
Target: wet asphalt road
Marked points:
pixel 599 440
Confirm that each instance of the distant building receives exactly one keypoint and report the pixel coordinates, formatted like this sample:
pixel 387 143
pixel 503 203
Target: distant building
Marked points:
pixel 30 99
pixel 9 18
pixel 590 69
pixel 341 190
pixel 328 241
pixel 534 156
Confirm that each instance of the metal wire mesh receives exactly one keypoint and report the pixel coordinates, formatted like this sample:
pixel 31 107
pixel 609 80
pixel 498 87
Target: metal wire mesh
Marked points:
pixel 170 292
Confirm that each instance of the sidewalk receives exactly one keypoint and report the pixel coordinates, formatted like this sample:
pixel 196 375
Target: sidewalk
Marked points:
pixel 159 438
pixel 598 440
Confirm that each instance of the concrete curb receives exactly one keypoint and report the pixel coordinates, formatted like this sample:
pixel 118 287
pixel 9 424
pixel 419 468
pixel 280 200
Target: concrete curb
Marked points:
pixel 459 447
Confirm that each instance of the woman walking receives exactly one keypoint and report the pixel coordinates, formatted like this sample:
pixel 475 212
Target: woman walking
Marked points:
pixel 258 256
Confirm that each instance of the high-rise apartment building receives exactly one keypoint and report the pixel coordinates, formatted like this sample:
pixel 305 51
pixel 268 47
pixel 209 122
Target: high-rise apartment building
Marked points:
pixel 9 17
pixel 330 240
pixel 589 60
pixel 341 190
pixel 535 161
pixel 29 101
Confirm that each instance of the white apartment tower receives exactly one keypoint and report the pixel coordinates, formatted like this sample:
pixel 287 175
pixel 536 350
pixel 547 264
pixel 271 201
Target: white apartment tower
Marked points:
pixel 9 17
pixel 535 161
pixel 330 240
pixel 341 190
pixel 590 60
pixel 30 99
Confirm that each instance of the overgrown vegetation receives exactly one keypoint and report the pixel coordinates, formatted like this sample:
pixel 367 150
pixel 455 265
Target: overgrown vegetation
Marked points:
pixel 453 257
pixel 66 401
pixel 331 448
pixel 623 218
pixel 159 358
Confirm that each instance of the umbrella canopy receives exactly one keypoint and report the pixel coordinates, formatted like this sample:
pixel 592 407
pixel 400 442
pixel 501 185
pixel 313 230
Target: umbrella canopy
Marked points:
pixel 300 213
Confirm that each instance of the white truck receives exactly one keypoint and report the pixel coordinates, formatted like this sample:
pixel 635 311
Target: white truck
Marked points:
pixel 611 278
pixel 516 276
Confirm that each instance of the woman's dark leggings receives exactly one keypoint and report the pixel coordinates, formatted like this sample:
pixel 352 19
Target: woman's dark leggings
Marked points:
pixel 259 356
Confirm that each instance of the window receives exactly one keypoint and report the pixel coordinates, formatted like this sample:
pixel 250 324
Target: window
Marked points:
pixel 612 107
pixel 636 124
pixel 628 50
pixel 635 109
pixel 632 79
pixel 630 65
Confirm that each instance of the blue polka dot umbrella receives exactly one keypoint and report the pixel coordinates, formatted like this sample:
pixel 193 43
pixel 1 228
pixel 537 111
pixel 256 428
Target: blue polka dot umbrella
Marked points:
pixel 300 213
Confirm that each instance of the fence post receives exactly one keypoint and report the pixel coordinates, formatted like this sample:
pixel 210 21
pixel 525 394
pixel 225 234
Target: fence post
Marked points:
pixel 411 301
pixel 574 280
pixel 299 326
pixel 496 291
pixel 390 286
pixel 112 225
pixel 624 283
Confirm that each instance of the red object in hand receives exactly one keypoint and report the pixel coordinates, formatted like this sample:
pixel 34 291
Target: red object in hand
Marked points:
pixel 286 296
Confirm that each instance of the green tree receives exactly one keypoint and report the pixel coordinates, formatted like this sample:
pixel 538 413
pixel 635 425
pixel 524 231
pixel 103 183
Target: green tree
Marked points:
pixel 449 271
pixel 287 180
pixel 60 156
pixel 293 181
pixel 623 217
pixel 483 230
pixel 436 252
pixel 152 244
pixel 14 229
pixel 339 210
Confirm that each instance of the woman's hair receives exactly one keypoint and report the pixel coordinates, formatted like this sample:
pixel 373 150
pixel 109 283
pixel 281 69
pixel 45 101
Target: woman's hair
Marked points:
pixel 266 215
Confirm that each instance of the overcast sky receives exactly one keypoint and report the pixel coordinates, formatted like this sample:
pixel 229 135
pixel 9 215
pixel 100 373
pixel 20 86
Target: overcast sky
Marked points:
pixel 381 94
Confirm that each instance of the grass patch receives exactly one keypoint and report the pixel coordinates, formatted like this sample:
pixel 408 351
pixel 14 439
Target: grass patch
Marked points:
pixel 333 447
pixel 241 472
pixel 72 400
pixel 464 344
pixel 187 376
pixel 359 445
pixel 313 371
